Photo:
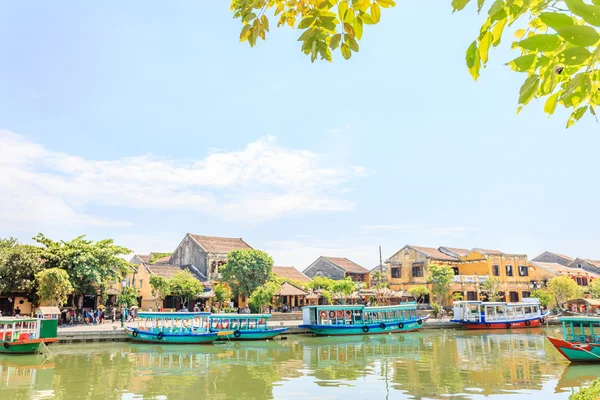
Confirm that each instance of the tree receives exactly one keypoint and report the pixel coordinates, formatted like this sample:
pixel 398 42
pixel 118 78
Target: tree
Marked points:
pixel 222 294
pixel 544 296
pixel 595 288
pixel 441 278
pixel 321 282
pixel 379 282
pixel 563 288
pixel 342 288
pixel 419 292
pixel 160 289
pixel 557 40
pixel 90 265
pixel 246 270
pixel 54 286
pixel 129 297
pixel 185 286
pixel 457 296
pixel 491 287
pixel 18 265
pixel 262 297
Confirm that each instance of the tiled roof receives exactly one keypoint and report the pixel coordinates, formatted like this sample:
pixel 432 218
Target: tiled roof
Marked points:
pixel 162 260
pixel 435 254
pixel 561 269
pixel 290 273
pixel 456 251
pixel 347 265
pixel 166 271
pixel 287 289
pixel 143 257
pixel 563 256
pixel 220 245
pixel 594 262
pixel 489 252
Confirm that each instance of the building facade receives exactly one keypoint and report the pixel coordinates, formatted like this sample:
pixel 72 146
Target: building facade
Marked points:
pixel 337 268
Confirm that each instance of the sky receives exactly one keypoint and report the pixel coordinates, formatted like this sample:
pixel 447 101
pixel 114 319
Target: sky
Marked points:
pixel 146 120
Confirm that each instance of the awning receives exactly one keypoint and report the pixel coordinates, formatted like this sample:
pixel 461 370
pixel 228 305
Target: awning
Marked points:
pixel 287 289
pixel 590 302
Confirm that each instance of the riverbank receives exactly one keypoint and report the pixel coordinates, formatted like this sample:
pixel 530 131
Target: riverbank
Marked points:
pixel 113 332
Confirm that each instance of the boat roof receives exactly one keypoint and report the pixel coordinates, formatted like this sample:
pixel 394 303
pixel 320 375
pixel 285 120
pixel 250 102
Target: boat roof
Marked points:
pixel 10 320
pixel 580 319
pixel 241 316
pixel 182 315
pixel 496 303
pixel 338 307
pixel 410 305
pixel 365 308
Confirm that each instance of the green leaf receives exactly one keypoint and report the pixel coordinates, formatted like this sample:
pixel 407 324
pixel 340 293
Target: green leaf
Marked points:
pixel 574 56
pixel 528 89
pixel 576 116
pixel 484 46
pixel 550 105
pixel 249 17
pixel 265 22
pixel 346 51
pixel 480 5
pixel 386 3
pixel 540 43
pixel 497 32
pixel 335 41
pixel 306 22
pixel 328 23
pixel 245 32
pixel 342 8
pixel 579 35
pixel 522 63
pixel 497 6
pixel 556 20
pixel 458 5
pixel 473 60
pixel 358 27
pixel 375 12
pixel 590 14
pixel 307 34
pixel 351 43
pixel 367 19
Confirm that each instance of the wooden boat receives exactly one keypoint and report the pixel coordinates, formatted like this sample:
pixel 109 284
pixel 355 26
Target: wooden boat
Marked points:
pixel 244 326
pixel 19 335
pixel 361 320
pixel 173 328
pixel 496 315
pixel 580 342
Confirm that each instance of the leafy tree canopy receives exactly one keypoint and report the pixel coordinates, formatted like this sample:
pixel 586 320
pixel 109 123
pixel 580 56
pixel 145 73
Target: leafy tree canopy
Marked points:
pixel 595 288
pixel 90 265
pixel 246 270
pixel 418 292
pixel 544 296
pixel 18 265
pixel 156 256
pixel 563 288
pixel 184 285
pixel 262 297
pixel 222 294
pixel 54 286
pixel 441 278
pixel 321 282
pixel 128 297
pixel 160 288
pixel 557 40
pixel 343 287
pixel 491 287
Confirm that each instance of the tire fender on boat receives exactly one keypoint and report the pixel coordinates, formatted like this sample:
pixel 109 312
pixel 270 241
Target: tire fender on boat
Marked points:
pixel 331 314
pixel 528 323
pixel 420 322
pixel 134 333
pixel 542 320
pixel 365 329
pixel 487 325
pixel 507 325
pixel 237 333
pixel 6 345
pixel 160 335
pixel 401 325
pixel 382 325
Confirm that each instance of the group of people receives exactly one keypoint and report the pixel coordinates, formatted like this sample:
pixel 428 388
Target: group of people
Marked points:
pixel 245 310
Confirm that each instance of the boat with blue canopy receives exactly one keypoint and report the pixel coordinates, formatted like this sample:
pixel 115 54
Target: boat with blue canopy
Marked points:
pixel 244 326
pixel 361 320
pixel 174 327
pixel 581 339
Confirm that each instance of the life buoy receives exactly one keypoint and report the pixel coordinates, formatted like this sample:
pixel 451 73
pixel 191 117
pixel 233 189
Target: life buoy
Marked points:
pixel 507 325
pixel 340 314
pixel 382 325
pixel 6 345
pixel 420 322
pixel 331 314
pixel 400 325
pixel 365 329
pixel 527 323
pixel 487 325
pixel 323 314
pixel 160 335
pixel 542 320
pixel 349 314
pixel 135 333
pixel 237 333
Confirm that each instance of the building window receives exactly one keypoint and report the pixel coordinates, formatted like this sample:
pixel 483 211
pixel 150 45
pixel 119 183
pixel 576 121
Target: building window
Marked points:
pixel 525 294
pixel 396 273
pixel 496 270
pixel 471 296
pixel 501 296
pixel 514 297
pixel 509 270
pixel 141 282
pixel 579 266
pixel 417 270
pixel 455 270
pixel 523 270
pixel 581 280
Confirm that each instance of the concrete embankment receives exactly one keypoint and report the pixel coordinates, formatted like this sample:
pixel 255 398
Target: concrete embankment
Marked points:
pixel 114 332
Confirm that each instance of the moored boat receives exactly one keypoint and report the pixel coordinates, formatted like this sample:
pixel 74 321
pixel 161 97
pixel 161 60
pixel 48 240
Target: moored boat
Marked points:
pixel 173 328
pixel 580 342
pixel 499 315
pixel 361 320
pixel 244 326
pixel 19 335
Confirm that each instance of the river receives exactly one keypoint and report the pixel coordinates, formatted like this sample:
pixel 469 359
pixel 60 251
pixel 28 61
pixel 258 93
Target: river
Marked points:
pixel 428 364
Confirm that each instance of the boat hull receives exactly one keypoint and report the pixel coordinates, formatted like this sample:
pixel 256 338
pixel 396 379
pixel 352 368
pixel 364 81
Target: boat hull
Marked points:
pixel 577 352
pixel 253 334
pixel 533 323
pixel 22 347
pixel 169 338
pixel 368 329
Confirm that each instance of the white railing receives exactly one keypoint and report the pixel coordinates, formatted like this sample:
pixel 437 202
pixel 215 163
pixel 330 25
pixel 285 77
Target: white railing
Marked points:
pixel 470 278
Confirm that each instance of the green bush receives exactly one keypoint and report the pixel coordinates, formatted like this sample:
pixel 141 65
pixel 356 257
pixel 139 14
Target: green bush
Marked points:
pixel 436 309
pixel 591 393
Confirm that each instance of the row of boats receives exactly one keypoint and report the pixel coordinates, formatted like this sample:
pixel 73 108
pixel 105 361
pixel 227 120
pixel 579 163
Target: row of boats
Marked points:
pixel 581 335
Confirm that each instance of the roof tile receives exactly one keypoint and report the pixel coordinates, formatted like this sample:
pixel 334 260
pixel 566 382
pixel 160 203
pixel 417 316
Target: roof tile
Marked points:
pixel 220 245
pixel 347 265
pixel 290 273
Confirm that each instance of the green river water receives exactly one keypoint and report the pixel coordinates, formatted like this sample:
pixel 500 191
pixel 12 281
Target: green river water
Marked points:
pixel 428 364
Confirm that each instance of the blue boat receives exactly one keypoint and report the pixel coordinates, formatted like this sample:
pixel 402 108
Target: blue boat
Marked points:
pixel 361 320
pixel 173 328
pixel 244 326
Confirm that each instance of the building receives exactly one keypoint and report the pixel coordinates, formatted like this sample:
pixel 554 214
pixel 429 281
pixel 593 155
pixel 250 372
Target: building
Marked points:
pixel 152 258
pixel 592 266
pixel 337 268
pixel 550 257
pixel 206 253
pixel 290 273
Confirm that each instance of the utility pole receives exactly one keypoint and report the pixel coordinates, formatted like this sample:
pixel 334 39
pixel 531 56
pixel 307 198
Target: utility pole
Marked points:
pixel 380 261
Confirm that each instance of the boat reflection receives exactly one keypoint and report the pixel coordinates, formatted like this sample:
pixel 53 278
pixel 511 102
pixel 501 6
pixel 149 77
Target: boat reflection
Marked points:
pixel 28 376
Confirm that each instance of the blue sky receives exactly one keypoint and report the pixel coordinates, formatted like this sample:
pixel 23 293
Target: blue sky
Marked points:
pixel 142 121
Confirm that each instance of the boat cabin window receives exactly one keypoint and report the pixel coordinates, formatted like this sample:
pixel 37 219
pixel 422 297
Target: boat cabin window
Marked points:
pixel 527 309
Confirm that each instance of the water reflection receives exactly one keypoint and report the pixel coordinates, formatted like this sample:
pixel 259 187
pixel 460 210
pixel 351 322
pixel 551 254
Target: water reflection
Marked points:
pixel 422 365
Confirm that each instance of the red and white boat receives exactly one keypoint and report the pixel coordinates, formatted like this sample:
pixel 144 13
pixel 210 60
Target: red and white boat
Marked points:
pixel 497 315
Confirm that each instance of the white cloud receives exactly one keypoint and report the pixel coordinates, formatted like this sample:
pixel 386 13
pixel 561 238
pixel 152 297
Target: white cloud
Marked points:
pixel 263 180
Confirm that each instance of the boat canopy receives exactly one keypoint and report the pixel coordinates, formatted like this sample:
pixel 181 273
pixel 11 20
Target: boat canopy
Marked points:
pixel 581 329
pixel 19 329
pixel 495 312
pixel 240 316
pixel 173 315
pixel 337 307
